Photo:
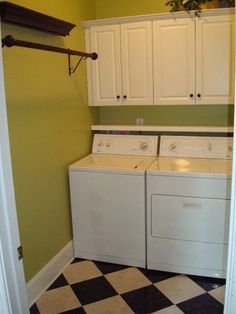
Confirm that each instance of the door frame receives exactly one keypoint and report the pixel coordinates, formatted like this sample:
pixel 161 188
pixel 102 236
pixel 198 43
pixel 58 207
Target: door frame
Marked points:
pixel 230 292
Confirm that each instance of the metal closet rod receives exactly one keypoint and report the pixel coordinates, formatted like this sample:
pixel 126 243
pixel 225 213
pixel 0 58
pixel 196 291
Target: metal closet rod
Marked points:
pixel 10 41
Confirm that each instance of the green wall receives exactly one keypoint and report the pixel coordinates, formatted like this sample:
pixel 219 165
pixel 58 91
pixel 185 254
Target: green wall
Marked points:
pixel 157 115
pixel 108 9
pixel 49 126
pixel 170 115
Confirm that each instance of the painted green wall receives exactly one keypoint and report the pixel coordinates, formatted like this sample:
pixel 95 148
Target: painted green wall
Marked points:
pixel 108 9
pixel 171 115
pixel 158 115
pixel 49 125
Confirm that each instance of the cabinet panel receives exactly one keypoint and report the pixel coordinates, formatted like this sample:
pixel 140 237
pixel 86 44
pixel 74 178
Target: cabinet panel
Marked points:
pixel 214 60
pixel 194 61
pixel 122 74
pixel 137 70
pixel 174 61
pixel 106 70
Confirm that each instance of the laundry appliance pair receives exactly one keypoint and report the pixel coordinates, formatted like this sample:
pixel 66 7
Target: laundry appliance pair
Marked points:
pixel 167 212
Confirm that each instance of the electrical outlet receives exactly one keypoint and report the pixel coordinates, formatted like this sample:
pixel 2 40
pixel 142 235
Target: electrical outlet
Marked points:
pixel 139 121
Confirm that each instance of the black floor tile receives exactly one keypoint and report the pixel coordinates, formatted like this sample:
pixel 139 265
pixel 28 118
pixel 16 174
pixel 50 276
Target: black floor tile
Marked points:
pixel 93 290
pixel 34 309
pixel 79 310
pixel 207 283
pixel 156 275
pixel 107 268
pixel 203 304
pixel 59 282
pixel 146 300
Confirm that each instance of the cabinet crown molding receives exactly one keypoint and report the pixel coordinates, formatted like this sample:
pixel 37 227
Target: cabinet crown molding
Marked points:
pixel 159 16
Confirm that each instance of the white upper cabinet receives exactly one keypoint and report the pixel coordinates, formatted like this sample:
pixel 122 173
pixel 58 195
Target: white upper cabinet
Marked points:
pixel 106 70
pixel 215 60
pixel 122 74
pixel 137 70
pixel 162 59
pixel 174 61
pixel 193 60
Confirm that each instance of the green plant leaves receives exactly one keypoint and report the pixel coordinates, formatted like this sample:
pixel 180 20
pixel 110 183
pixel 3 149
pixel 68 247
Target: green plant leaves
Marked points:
pixel 188 5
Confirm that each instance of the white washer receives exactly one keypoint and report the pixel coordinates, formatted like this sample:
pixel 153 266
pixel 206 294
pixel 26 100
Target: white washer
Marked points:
pixel 108 199
pixel 188 204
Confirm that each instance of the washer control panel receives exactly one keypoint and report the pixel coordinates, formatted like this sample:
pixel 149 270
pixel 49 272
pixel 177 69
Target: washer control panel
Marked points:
pixel 120 144
pixel 196 146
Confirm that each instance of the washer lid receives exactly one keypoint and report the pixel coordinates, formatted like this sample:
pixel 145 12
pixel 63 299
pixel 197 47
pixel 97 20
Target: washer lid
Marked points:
pixel 195 167
pixel 105 162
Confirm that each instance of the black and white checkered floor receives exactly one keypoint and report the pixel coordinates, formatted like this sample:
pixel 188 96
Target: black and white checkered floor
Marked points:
pixel 102 288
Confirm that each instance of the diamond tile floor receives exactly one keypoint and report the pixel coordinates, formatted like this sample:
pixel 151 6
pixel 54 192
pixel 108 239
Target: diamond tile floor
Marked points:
pixel 102 288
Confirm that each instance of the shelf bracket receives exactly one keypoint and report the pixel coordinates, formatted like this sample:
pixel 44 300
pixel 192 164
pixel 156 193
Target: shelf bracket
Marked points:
pixel 70 67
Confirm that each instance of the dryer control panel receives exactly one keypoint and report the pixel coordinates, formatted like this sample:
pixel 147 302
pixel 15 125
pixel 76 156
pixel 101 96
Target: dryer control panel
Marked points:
pixel 143 145
pixel 196 146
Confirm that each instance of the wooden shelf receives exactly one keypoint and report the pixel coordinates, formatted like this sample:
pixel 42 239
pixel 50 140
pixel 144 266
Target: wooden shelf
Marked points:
pixel 15 14
pixel 164 128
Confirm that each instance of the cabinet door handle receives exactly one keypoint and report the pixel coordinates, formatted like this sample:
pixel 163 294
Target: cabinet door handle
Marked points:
pixel 118 96
pixel 199 95
pixel 124 96
pixel 191 95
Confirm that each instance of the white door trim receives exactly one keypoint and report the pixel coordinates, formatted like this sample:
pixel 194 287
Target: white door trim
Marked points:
pixel 11 268
pixel 230 293
pixel 5 306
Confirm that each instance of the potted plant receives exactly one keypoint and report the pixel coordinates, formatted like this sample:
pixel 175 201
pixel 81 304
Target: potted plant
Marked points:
pixel 188 5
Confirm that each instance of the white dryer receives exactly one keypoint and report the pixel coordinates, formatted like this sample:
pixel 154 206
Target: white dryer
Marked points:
pixel 108 199
pixel 188 205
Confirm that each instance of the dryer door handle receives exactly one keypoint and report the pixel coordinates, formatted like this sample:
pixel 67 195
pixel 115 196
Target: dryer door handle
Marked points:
pixel 192 205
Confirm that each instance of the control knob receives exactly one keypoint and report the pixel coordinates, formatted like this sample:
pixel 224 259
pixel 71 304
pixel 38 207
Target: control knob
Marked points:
pixel 143 145
pixel 172 147
pixel 209 147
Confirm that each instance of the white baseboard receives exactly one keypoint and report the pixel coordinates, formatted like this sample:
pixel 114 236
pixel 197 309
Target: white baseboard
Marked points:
pixel 43 279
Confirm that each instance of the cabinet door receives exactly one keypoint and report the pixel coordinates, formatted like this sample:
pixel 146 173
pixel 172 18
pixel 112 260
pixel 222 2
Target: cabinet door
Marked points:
pixel 137 77
pixel 214 60
pixel 106 70
pixel 174 62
